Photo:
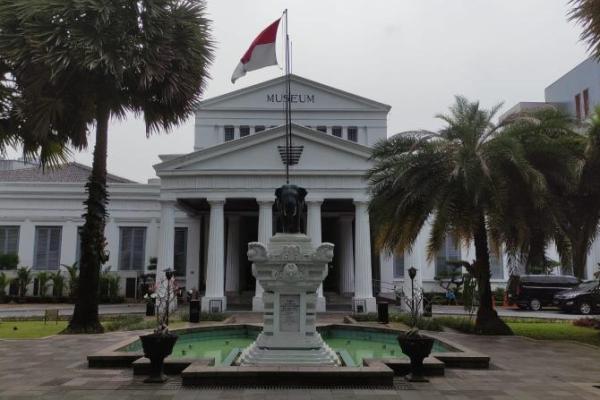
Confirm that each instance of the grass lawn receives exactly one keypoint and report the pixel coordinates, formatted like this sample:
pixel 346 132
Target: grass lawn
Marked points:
pixel 30 329
pixel 556 331
pixel 37 329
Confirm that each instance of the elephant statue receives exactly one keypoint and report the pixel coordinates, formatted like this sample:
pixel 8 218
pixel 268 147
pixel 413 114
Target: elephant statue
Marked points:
pixel 290 204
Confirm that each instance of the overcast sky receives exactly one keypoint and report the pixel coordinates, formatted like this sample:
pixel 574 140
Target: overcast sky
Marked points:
pixel 414 55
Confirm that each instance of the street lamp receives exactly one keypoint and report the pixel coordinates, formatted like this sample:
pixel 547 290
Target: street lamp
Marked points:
pixel 169 276
pixel 412 273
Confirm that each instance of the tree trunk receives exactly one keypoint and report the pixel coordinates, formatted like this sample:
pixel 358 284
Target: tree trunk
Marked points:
pixel 580 253
pixel 93 253
pixel 488 322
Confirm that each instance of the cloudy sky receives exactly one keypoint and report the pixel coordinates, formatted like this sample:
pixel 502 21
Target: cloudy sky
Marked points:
pixel 414 55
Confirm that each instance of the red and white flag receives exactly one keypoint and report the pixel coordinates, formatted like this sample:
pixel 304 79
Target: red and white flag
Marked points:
pixel 261 52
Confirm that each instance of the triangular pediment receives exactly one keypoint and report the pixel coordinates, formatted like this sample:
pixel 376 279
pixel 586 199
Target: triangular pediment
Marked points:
pixel 305 95
pixel 260 152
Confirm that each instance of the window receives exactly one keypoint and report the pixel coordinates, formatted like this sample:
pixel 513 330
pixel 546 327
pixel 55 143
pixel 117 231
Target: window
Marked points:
pixel 180 259
pixel 449 252
pixel 244 130
pixel 259 128
pixel 336 131
pixel 322 128
pixel 132 248
pixel 496 266
pixel 9 239
pixel 398 266
pixel 353 133
pixel 578 106
pixel 586 103
pixel 229 133
pixel 47 247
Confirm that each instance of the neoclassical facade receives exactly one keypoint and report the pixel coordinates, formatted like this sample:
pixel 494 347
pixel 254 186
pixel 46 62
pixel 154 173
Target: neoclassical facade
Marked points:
pixel 204 207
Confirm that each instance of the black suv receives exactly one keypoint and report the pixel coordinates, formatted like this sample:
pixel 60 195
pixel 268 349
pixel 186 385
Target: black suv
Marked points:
pixel 584 299
pixel 534 291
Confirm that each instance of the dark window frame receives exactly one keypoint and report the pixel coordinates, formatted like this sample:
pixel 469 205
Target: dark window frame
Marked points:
pixel 337 131
pixel 244 130
pixel 229 134
pixel 128 258
pixel 5 239
pixel 352 134
pixel 180 255
pixel 51 259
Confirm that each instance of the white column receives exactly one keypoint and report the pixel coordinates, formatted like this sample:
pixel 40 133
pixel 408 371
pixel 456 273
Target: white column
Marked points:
pixel 193 254
pixel 314 231
pixel 265 232
pixel 232 270
pixel 363 282
pixel 153 234
pixel 215 271
pixel 166 238
pixel 346 252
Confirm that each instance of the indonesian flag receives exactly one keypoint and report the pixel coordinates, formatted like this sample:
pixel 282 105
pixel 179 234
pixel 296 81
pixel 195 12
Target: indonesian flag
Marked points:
pixel 260 54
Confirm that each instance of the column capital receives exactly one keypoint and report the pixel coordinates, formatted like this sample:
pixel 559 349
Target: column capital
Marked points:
pixel 216 202
pixel 265 202
pixel 167 202
pixel 361 201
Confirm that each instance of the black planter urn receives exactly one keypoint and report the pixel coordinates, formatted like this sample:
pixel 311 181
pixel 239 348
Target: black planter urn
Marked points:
pixel 157 347
pixel 150 309
pixel 417 348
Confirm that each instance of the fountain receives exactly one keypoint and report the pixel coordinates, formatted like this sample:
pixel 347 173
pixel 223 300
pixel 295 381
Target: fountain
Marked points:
pixel 290 271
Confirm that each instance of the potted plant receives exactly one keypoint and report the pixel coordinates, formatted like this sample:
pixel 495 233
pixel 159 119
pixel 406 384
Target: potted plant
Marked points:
pixel 416 346
pixel 150 299
pixel 158 345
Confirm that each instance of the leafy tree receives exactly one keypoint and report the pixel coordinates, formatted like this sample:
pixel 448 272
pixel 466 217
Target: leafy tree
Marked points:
pixel 456 178
pixel 80 62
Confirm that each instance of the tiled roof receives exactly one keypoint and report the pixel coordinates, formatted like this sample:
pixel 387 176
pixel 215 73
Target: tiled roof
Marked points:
pixel 70 172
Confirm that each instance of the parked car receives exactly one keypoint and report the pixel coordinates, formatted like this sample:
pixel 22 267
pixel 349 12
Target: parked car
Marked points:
pixel 535 291
pixel 584 299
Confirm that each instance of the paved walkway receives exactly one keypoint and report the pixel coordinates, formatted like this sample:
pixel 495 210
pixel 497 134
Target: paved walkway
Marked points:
pixel 510 312
pixel 55 368
pixel 36 310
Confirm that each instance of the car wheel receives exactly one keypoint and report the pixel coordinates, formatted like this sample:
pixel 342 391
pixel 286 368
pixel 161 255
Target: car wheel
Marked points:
pixel 535 305
pixel 585 308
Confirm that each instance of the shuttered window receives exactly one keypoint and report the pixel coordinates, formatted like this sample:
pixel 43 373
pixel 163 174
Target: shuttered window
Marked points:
pixel 450 251
pixel 180 251
pixel 229 133
pixel 399 266
pixel 336 131
pixel 9 239
pixel 244 130
pixel 132 248
pixel 47 247
pixel 353 133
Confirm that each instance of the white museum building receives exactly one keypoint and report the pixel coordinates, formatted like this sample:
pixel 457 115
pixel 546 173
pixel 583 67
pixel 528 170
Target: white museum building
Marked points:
pixel 205 206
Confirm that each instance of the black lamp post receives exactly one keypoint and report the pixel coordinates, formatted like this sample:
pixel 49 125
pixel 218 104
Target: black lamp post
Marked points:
pixel 412 273
pixel 169 276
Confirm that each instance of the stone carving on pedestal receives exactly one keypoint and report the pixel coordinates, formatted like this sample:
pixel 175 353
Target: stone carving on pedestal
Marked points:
pixel 290 270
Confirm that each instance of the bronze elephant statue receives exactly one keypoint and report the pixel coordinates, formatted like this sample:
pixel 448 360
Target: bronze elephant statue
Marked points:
pixel 290 204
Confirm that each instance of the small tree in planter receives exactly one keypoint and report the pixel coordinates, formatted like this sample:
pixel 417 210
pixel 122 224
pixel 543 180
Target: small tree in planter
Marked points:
pixel 43 279
pixel 73 273
pixel 159 344
pixel 4 282
pixel 416 346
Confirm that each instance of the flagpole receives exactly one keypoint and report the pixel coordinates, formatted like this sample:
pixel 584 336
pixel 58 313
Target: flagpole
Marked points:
pixel 288 107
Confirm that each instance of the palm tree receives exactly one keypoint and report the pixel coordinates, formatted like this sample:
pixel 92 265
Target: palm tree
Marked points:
pixel 587 14
pixel 43 279
pixel 23 279
pixel 527 221
pixel 73 273
pixel 454 178
pixel 58 283
pixel 81 62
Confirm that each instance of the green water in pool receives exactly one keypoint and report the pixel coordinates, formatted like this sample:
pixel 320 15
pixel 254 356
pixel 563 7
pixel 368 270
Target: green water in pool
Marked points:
pixel 353 344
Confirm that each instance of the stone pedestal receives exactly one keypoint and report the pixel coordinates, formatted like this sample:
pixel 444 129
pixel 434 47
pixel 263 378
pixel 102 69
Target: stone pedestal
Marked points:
pixel 290 271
